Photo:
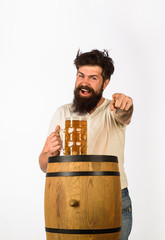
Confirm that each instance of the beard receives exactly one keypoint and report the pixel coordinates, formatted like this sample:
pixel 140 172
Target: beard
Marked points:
pixel 83 105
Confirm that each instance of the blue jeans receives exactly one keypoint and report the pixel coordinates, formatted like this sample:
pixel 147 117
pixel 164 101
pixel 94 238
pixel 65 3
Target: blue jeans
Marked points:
pixel 126 222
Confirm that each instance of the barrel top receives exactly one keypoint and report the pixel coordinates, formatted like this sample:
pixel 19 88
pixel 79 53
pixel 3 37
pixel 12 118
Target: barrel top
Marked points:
pixel 83 158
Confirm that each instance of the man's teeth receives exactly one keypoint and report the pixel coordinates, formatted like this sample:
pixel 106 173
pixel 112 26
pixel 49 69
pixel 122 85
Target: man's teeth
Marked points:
pixel 84 90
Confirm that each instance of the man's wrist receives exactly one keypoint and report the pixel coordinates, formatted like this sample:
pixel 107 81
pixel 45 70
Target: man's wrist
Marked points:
pixel 124 116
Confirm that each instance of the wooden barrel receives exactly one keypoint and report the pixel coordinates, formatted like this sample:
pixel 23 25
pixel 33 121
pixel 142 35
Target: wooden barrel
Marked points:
pixel 83 198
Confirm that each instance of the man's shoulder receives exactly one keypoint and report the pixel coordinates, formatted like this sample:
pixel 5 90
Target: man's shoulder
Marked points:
pixel 106 103
pixel 64 108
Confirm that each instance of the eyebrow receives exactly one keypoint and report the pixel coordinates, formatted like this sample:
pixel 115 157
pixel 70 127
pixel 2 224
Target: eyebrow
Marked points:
pixel 89 75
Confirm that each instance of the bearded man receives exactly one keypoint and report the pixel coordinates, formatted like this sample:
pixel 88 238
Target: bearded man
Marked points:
pixel 107 120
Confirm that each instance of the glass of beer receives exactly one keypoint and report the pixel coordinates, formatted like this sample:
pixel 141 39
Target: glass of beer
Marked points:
pixel 75 136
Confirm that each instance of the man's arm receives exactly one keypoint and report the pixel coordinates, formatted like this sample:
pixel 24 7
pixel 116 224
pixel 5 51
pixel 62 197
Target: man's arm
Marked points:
pixel 51 148
pixel 122 107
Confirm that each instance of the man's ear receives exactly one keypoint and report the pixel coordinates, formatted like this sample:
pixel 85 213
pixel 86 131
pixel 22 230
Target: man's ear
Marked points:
pixel 106 82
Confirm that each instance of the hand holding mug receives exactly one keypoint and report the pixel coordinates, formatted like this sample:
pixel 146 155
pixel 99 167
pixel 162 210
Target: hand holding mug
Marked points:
pixel 53 143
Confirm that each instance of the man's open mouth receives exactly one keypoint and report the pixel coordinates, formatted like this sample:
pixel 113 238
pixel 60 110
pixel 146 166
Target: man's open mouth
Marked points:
pixel 85 91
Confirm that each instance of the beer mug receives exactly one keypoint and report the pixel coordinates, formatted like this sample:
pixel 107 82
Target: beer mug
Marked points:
pixel 75 132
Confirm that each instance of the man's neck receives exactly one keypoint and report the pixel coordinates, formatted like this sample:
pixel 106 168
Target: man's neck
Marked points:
pixel 99 103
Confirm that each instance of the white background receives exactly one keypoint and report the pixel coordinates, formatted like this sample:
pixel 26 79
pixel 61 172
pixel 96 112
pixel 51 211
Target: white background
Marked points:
pixel 38 43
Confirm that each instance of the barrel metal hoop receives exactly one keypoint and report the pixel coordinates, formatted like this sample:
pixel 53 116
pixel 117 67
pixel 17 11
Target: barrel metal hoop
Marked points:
pixel 83 231
pixel 82 173
pixel 83 158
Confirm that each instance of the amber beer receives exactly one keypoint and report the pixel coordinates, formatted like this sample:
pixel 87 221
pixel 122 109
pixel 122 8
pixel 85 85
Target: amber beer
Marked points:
pixel 76 136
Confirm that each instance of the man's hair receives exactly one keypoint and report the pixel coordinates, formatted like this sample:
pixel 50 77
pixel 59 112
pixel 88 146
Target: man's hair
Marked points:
pixel 96 58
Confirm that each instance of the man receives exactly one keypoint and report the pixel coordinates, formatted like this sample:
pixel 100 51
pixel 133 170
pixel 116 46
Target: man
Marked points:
pixel 107 120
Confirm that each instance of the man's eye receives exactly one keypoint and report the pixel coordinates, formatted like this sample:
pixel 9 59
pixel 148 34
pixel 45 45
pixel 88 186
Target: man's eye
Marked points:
pixel 94 78
pixel 81 76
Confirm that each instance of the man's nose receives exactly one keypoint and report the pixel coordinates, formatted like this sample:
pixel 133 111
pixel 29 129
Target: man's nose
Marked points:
pixel 86 79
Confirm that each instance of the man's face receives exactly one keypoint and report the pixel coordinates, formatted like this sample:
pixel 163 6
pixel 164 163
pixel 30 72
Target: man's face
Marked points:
pixel 88 88
pixel 89 76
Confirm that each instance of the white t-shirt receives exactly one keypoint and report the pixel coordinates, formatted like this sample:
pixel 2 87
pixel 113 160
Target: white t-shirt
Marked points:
pixel 104 137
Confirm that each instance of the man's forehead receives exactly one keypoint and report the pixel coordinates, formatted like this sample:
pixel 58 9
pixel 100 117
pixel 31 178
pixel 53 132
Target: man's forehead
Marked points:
pixel 90 70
